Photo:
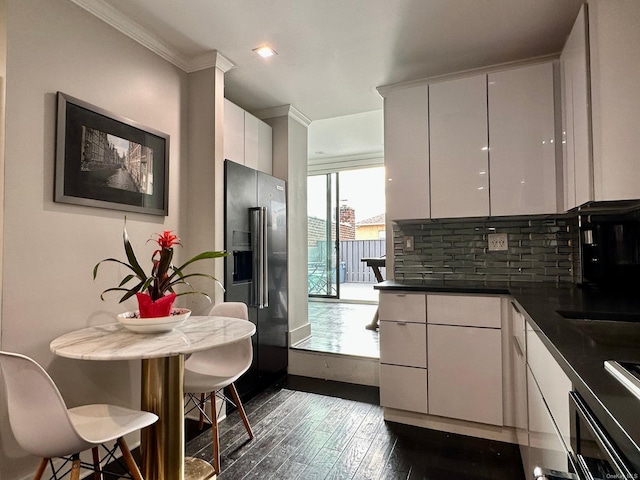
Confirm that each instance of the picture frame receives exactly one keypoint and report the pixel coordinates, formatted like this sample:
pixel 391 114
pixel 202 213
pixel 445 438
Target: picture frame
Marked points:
pixel 105 160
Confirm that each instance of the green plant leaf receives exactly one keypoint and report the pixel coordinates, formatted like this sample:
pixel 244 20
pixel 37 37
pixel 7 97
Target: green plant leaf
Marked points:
pixel 131 256
pixel 126 279
pixel 95 269
pixel 202 256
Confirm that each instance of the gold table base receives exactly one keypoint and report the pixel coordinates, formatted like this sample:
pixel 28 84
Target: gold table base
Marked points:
pixel 162 444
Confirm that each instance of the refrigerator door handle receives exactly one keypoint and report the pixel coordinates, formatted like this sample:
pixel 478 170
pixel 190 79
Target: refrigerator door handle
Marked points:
pixel 260 289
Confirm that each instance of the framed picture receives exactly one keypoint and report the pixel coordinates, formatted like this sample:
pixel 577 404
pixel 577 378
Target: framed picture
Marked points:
pixel 104 160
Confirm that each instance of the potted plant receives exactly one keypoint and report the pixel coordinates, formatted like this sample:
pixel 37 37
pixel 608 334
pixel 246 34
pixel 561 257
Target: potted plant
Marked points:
pixel 156 292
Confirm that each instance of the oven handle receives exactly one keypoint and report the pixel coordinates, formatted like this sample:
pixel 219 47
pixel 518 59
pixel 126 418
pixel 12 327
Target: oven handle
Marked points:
pixel 600 437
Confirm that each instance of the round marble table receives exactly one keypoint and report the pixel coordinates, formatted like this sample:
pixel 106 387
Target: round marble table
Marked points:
pixel 162 356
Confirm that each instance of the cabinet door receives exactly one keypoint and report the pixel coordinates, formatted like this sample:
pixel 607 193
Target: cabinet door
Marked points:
pixel 522 141
pixel 251 129
pixel 404 388
pixel 465 373
pixel 233 132
pixel 406 153
pixel 552 382
pixel 464 310
pixel 515 390
pixel 545 449
pixel 403 343
pixel 265 148
pixel 576 127
pixel 403 307
pixel 459 148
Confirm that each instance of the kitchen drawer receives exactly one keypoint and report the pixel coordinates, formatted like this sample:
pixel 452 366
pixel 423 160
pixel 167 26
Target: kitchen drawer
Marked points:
pixel 403 343
pixel 464 310
pixel 404 388
pixel 403 307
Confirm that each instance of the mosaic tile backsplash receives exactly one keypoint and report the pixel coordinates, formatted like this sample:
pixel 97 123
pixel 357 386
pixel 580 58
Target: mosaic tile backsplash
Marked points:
pixel 540 249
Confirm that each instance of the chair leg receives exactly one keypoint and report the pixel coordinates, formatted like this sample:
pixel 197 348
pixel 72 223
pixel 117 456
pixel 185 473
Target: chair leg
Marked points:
pixel 97 468
pixel 128 459
pixel 243 415
pixel 214 433
pixel 201 421
pixel 75 467
pixel 41 469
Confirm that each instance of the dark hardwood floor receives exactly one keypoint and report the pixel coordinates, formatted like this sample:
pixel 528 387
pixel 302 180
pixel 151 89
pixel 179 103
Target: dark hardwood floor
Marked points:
pixel 312 429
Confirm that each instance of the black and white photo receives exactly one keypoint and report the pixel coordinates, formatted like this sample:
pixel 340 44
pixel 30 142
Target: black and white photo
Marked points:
pixel 107 161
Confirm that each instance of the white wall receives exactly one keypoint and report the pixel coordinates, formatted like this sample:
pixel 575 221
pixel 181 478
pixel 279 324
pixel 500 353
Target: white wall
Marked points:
pixel 614 29
pixel 290 164
pixel 50 248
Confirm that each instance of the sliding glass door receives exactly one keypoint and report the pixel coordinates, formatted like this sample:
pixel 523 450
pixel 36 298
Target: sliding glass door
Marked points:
pixel 323 240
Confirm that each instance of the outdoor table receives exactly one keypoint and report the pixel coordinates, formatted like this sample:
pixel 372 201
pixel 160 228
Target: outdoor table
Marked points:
pixel 375 264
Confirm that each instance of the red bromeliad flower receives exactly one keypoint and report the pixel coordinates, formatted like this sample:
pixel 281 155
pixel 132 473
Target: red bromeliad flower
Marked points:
pixel 167 239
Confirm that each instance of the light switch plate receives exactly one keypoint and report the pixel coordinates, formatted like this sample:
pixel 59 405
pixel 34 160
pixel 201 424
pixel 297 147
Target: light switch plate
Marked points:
pixel 498 242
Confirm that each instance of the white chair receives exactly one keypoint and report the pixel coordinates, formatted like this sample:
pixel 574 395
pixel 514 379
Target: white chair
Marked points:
pixel 207 373
pixel 43 426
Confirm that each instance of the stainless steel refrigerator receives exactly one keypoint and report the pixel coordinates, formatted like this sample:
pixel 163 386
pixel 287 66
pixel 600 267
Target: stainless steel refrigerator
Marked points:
pixel 256 269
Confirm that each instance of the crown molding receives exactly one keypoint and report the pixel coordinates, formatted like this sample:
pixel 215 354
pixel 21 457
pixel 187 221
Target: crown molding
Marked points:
pixel 139 34
pixel 318 165
pixel 384 90
pixel 210 59
pixel 284 111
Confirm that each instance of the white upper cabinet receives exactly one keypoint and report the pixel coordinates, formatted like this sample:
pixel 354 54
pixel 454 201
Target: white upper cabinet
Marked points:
pixel 459 148
pixel 247 139
pixel 251 127
pixel 265 148
pixel 576 114
pixel 233 132
pixel 406 153
pixel 522 153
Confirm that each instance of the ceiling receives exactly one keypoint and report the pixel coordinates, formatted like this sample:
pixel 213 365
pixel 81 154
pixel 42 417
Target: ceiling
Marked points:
pixel 332 54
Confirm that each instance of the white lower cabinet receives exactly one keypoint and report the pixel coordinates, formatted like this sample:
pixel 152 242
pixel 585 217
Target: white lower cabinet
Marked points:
pixel 476 362
pixel 404 388
pixel 515 348
pixel 464 341
pixel 403 351
pixel 548 390
pixel 403 344
pixel 465 373
pixel 545 448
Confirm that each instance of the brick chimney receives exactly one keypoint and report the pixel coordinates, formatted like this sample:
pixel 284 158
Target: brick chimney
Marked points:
pixel 347 223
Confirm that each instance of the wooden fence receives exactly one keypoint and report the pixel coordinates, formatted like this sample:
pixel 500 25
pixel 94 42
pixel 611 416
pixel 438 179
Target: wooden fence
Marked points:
pixel 351 253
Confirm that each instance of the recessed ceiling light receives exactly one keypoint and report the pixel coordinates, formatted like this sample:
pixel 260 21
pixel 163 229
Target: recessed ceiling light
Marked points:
pixel 265 51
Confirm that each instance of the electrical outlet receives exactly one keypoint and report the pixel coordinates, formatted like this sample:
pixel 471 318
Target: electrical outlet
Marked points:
pixel 498 242
pixel 408 243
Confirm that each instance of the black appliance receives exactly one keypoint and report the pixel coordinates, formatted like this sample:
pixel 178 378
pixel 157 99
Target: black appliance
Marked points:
pixel 610 249
pixel 595 452
pixel 256 269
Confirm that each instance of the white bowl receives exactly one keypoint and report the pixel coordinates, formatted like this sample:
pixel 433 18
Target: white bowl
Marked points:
pixel 133 322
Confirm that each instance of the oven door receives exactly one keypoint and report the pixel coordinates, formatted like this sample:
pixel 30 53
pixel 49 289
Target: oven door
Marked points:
pixel 596 455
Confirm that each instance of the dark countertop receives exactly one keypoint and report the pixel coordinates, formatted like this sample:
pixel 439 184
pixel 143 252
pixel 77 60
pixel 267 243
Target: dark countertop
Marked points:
pixel 580 346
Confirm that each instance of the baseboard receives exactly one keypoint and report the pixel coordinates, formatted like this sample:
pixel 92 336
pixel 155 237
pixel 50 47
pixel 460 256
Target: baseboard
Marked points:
pixel 299 334
pixel 450 425
pixel 331 366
